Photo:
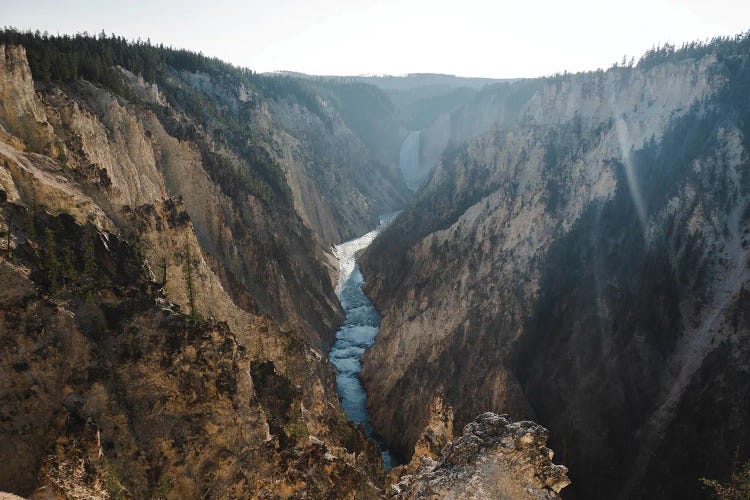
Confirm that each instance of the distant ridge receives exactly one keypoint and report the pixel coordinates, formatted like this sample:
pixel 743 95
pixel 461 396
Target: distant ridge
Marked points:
pixel 406 82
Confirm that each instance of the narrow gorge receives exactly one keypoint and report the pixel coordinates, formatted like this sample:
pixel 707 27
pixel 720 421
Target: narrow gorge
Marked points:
pixel 219 283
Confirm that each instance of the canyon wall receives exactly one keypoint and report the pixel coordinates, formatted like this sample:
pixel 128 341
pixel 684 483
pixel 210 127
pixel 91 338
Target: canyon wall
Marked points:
pixel 583 263
pixel 167 300
pixel 336 142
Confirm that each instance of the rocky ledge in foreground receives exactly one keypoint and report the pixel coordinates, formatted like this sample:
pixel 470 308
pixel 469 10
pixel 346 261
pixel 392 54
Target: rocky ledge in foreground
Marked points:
pixel 494 458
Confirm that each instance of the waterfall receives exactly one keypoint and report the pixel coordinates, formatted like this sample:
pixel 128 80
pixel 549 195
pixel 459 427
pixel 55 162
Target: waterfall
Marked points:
pixel 408 160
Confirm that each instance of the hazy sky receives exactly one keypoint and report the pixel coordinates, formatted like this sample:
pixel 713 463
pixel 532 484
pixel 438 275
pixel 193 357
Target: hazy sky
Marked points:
pixel 464 37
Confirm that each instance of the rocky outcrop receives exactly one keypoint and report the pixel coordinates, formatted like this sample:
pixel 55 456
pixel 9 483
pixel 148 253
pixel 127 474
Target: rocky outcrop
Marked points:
pixel 578 266
pixel 492 459
pixel 438 431
pixel 19 108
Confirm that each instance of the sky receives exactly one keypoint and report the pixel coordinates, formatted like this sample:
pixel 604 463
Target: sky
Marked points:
pixel 498 39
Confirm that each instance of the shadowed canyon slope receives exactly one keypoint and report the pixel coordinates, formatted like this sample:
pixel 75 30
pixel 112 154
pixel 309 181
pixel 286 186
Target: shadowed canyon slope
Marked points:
pixel 585 263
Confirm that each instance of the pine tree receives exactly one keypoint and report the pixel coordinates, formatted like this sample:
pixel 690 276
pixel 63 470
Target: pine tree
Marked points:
pixel 89 258
pixel 69 274
pixel 163 266
pixel 189 278
pixel 738 487
pixel 7 234
pixel 30 217
pixel 50 257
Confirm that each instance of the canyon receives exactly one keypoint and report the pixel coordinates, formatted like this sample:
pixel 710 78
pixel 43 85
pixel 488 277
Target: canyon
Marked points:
pixel 169 295
pixel 203 297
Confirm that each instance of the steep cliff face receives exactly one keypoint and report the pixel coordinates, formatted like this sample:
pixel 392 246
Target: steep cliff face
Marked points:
pixel 336 142
pixel 340 184
pixel 124 159
pixel 20 109
pixel 166 309
pixel 599 95
pixel 496 105
pixel 579 264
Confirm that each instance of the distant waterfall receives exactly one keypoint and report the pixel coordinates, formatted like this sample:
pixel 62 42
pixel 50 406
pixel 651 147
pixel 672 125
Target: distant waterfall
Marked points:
pixel 408 160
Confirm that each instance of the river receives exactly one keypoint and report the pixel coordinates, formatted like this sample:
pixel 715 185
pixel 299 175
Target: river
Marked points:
pixel 358 332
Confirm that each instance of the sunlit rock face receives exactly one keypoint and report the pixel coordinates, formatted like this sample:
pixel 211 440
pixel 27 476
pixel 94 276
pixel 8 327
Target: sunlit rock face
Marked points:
pixel 19 108
pixel 582 264
pixel 164 309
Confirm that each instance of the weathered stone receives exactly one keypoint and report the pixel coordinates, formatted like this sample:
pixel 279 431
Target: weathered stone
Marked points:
pixel 492 459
